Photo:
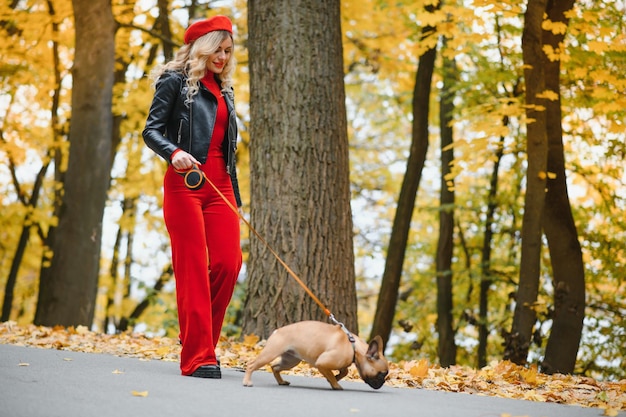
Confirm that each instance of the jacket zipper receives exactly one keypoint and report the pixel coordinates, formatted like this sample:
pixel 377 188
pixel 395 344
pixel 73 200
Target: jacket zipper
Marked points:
pixel 180 130
pixel 190 124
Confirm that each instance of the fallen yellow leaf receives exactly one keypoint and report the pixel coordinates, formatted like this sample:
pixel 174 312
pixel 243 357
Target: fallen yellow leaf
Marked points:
pixel 419 370
pixel 117 371
pixel 529 375
pixel 139 393
pixel 532 395
pixel 250 339
pixel 83 330
pixel 23 364
pixel 163 351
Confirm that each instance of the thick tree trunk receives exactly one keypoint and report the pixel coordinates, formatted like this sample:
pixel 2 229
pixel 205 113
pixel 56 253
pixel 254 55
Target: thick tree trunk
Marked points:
pixel 445 245
pixel 299 182
pixel 518 341
pixel 559 227
pixel 68 284
pixel 388 296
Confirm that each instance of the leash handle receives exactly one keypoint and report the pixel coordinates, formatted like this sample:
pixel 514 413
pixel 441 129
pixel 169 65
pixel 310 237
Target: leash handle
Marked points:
pixel 194 177
pixel 289 270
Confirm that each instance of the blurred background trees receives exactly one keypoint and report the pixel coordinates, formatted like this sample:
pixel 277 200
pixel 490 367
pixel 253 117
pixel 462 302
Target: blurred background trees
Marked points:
pixel 481 106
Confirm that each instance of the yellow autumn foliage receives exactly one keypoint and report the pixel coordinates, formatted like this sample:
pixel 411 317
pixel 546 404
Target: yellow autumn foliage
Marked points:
pixel 381 51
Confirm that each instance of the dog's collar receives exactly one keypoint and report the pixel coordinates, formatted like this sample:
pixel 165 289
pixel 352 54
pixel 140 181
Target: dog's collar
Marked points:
pixel 347 332
pixel 351 339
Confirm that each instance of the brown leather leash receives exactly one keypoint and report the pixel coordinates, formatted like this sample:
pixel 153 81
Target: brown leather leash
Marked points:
pixel 195 179
pixel 267 245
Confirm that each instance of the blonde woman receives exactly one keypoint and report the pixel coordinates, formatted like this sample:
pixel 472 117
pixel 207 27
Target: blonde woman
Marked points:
pixel 192 125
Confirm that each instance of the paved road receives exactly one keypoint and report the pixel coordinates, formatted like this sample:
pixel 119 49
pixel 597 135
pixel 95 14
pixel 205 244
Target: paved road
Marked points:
pixel 48 383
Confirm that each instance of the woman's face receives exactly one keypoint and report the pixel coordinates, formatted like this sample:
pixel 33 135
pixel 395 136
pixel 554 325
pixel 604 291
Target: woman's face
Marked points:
pixel 218 59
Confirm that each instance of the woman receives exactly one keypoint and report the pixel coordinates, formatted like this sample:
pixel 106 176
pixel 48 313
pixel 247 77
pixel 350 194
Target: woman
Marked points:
pixel 192 124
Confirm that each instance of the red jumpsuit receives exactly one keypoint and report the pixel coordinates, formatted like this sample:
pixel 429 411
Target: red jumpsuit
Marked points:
pixel 206 251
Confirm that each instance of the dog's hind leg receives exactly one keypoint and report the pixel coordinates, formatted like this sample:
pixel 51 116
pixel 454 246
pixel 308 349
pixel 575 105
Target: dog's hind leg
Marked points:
pixel 265 357
pixel 287 361
pixel 342 372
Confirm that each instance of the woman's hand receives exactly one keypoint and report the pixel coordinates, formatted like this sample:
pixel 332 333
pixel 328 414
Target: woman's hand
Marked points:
pixel 183 160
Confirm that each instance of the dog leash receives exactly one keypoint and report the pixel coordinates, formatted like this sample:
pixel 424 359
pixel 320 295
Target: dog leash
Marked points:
pixel 195 178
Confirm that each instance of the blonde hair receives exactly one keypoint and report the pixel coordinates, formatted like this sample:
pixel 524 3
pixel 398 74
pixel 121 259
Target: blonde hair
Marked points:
pixel 191 60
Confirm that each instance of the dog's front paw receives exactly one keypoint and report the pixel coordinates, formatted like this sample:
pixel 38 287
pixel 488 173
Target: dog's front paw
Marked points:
pixel 283 382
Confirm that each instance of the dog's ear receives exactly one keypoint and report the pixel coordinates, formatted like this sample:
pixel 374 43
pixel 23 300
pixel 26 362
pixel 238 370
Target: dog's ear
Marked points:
pixel 375 348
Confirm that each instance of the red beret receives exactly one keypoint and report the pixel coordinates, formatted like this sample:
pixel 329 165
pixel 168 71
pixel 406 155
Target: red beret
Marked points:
pixel 202 27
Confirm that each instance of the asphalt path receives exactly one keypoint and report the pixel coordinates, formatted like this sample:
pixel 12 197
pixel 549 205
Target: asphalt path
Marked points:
pixel 48 383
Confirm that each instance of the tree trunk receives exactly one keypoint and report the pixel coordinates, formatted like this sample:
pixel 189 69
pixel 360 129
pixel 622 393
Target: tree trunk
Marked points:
pixel 486 276
pixel 110 317
pixel 445 245
pixel 518 341
pixel 32 202
pixel 20 250
pixel 68 284
pixel 299 182
pixel 162 24
pixel 559 227
pixel 388 296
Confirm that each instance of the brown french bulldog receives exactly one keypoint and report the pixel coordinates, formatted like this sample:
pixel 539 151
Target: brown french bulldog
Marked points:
pixel 324 346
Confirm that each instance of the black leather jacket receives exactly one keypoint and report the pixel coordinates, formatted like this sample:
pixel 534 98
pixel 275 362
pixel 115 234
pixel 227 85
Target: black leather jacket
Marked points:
pixel 173 125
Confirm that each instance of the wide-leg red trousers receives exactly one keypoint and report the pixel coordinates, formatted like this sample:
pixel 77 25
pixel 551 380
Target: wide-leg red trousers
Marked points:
pixel 206 258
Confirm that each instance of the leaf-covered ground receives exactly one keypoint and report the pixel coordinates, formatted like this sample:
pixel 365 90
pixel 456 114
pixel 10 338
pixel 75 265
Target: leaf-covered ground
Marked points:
pixel 501 379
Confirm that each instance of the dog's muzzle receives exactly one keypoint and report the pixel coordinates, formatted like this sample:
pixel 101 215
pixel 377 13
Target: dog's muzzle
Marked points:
pixel 377 381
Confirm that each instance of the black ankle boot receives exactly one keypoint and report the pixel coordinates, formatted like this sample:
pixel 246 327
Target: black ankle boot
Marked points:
pixel 208 371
